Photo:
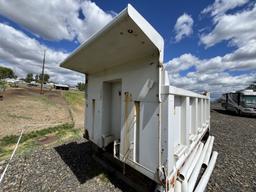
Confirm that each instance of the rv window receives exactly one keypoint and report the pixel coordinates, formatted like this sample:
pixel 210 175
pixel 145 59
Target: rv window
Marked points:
pixel 249 99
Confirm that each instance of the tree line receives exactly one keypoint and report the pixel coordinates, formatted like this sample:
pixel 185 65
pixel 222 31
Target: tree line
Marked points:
pixel 37 78
pixel 9 73
pixel 6 73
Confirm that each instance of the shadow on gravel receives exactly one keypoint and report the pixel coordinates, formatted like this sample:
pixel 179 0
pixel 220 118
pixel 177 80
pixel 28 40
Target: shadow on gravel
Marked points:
pixel 225 112
pixel 78 157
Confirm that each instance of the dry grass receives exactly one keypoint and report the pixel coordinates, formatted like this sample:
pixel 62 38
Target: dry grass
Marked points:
pixel 31 140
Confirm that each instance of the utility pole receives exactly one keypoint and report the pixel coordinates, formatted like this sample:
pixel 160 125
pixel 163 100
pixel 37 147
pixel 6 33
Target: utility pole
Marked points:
pixel 42 82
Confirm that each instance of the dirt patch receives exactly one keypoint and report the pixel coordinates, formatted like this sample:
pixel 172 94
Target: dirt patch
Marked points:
pixel 47 139
pixel 76 102
pixel 78 115
pixel 27 108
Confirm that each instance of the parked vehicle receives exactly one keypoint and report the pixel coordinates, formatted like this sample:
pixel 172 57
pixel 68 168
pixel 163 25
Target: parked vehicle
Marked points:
pixel 61 87
pixel 240 102
pixel 33 84
pixel 155 128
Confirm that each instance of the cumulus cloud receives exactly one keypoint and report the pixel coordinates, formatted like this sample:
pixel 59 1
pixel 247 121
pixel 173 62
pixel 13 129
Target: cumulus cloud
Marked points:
pixel 230 72
pixel 183 62
pixel 183 27
pixel 215 83
pixel 219 7
pixel 24 55
pixel 95 19
pixel 242 59
pixel 52 20
pixel 237 28
pixel 215 74
pixel 58 19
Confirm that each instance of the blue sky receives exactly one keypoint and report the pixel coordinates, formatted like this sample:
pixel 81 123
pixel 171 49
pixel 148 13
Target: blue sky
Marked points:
pixel 163 17
pixel 209 45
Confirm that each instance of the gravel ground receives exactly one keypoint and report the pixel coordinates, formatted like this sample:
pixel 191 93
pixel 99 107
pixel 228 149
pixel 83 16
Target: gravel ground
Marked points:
pixel 70 167
pixel 235 140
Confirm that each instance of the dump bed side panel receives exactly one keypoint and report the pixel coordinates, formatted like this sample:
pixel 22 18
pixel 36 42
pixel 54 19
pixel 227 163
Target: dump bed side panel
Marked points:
pixel 185 117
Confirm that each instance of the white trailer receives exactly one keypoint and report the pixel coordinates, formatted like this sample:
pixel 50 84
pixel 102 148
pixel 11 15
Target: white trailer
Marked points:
pixel 156 128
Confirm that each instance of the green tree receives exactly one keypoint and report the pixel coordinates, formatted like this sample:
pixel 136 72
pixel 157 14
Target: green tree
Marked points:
pixel 29 77
pixel 2 85
pixel 6 73
pixel 36 77
pixel 81 86
pixel 46 78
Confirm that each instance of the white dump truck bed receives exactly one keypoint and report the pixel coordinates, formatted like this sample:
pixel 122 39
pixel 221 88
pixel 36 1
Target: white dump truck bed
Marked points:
pixel 188 121
pixel 154 127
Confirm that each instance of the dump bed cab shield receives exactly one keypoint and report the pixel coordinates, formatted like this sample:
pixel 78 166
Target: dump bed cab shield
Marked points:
pixel 126 38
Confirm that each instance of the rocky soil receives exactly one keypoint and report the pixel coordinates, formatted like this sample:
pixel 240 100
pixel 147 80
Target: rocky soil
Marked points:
pixel 70 167
pixel 235 140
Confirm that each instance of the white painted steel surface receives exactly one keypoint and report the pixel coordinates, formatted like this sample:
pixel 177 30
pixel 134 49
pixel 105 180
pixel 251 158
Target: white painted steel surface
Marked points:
pixel 178 186
pixel 208 153
pixel 196 171
pixel 157 128
pixel 206 176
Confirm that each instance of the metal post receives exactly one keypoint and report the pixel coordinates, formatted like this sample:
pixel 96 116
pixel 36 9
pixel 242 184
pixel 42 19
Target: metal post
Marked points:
pixel 42 82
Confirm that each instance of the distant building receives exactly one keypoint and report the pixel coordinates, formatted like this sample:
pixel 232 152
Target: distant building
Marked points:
pixel 11 80
pixel 74 88
pixel 33 84
pixel 61 86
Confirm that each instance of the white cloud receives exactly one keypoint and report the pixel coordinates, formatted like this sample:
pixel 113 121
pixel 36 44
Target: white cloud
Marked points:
pixel 219 7
pixel 230 72
pixel 183 62
pixel 95 19
pixel 58 19
pixel 24 55
pixel 53 20
pixel 215 83
pixel 244 58
pixel 215 74
pixel 237 28
pixel 183 27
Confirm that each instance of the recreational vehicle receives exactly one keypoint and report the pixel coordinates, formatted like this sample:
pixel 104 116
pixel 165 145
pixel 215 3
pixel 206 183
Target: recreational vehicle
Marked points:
pixel 240 102
pixel 157 129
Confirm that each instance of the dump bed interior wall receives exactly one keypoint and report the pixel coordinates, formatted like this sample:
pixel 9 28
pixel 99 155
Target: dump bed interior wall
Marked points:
pixel 139 86
pixel 185 118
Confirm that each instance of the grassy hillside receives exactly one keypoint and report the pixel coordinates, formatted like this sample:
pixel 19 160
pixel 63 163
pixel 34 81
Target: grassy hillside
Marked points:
pixel 74 97
pixel 47 119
